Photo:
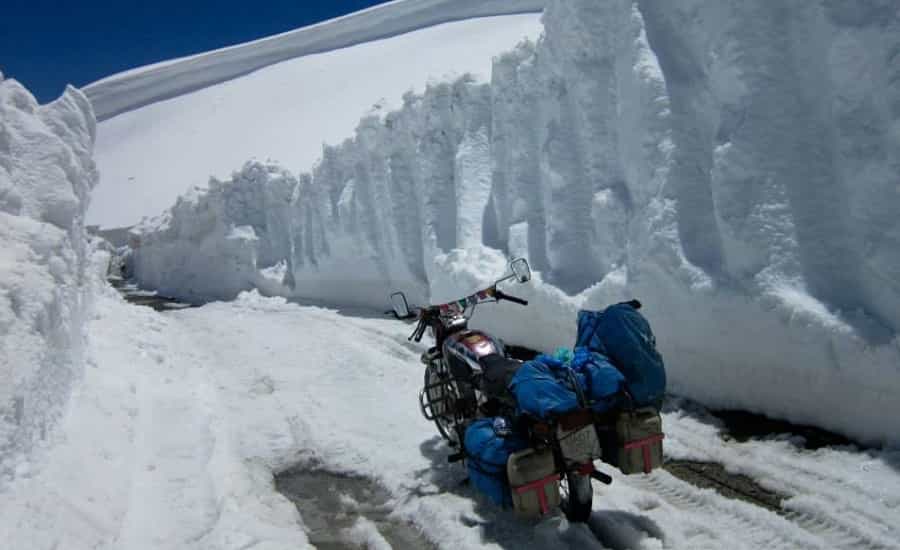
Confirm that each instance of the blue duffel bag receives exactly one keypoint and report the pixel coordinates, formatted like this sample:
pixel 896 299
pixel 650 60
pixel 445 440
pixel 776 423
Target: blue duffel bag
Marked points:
pixel 623 335
pixel 602 382
pixel 550 386
pixel 488 443
pixel 541 390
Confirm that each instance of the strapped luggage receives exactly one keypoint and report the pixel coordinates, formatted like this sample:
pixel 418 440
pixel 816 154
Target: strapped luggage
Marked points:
pixel 550 386
pixel 540 392
pixel 534 482
pixel 487 451
pixel 634 444
pixel 623 335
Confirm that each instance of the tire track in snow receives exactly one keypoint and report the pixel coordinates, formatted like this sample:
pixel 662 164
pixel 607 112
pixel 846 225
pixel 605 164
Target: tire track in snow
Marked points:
pixel 852 530
pixel 839 534
pixel 757 527
pixel 828 492
pixel 843 521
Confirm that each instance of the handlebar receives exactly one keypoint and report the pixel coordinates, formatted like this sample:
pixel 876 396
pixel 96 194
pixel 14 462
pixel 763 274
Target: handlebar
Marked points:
pixel 431 314
pixel 516 300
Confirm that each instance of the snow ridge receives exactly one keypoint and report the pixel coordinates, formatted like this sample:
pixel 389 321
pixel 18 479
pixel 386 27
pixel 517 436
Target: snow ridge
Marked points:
pixel 46 174
pixel 139 87
pixel 733 165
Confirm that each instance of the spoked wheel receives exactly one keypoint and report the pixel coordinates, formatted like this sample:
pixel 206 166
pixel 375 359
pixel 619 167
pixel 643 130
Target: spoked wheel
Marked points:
pixel 578 497
pixel 442 395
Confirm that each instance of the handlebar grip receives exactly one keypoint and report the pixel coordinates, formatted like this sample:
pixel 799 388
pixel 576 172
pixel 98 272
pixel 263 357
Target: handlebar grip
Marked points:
pixel 502 296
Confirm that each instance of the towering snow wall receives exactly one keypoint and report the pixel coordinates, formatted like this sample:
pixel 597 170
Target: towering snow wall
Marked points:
pixel 46 174
pixel 139 87
pixel 732 164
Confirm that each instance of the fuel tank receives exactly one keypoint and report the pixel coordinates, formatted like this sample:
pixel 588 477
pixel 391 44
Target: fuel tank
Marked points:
pixel 464 349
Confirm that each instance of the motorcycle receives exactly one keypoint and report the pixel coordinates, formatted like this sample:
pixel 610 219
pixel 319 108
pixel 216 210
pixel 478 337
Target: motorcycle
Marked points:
pixel 467 372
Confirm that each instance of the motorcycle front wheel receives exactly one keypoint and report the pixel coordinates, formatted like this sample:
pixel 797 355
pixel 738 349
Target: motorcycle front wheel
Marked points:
pixel 441 395
pixel 579 498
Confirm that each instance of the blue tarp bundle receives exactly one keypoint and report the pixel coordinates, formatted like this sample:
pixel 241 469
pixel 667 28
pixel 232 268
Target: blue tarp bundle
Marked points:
pixel 623 335
pixel 487 451
pixel 550 385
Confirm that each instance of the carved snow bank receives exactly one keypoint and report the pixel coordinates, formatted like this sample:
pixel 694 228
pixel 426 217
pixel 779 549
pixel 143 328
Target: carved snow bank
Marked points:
pixel 732 165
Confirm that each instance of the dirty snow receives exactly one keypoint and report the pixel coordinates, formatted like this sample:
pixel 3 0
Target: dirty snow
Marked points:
pixel 179 449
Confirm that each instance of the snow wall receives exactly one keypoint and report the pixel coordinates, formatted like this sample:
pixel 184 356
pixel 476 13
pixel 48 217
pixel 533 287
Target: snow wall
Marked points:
pixel 734 165
pixel 136 88
pixel 46 174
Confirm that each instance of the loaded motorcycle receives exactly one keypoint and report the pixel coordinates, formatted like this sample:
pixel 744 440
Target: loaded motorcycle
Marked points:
pixel 467 373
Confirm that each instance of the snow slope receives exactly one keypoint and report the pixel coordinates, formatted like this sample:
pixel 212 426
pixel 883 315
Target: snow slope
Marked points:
pixel 733 165
pixel 149 155
pixel 46 174
pixel 136 88
pixel 178 450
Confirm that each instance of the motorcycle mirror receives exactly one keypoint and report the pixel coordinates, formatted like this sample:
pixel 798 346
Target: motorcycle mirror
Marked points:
pixel 400 305
pixel 521 270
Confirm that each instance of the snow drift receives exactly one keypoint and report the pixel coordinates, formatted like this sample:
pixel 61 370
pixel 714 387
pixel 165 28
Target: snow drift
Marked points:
pixel 733 165
pixel 46 174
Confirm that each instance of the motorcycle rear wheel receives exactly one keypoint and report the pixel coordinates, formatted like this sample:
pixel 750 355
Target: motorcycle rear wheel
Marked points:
pixel 580 498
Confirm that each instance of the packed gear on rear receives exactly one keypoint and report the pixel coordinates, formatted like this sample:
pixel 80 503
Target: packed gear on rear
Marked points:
pixel 632 441
pixel 622 334
pixel 489 442
pixel 600 400
pixel 533 482
pixel 550 386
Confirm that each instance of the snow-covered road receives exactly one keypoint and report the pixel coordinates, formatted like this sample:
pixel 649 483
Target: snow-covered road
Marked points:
pixel 185 416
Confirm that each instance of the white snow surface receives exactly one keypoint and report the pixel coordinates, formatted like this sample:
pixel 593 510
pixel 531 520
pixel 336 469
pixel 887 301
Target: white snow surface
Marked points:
pixel 46 174
pixel 172 439
pixel 733 165
pixel 136 88
pixel 165 430
pixel 150 155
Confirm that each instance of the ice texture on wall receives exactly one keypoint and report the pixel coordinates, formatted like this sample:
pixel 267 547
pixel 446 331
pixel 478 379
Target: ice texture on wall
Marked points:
pixel 46 174
pixel 732 164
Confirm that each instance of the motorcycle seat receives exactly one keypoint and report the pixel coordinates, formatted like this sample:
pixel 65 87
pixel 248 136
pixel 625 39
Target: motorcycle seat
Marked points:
pixel 497 372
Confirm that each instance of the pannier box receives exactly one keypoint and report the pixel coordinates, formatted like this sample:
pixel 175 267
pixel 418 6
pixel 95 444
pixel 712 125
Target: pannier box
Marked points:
pixel 635 446
pixel 533 481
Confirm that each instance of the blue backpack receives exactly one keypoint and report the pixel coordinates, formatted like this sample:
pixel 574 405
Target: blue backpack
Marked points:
pixel 487 451
pixel 623 335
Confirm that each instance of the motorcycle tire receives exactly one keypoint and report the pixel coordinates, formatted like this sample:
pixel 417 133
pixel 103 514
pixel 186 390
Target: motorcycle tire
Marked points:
pixel 443 414
pixel 579 501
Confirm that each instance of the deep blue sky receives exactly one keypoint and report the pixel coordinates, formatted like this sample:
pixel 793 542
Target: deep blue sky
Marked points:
pixel 47 44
